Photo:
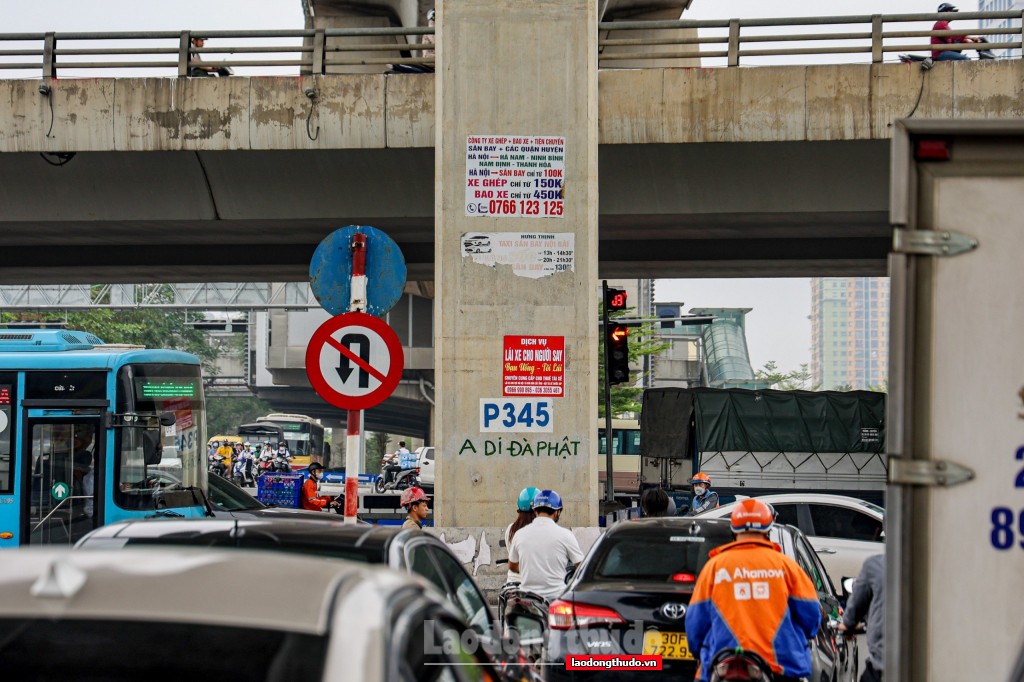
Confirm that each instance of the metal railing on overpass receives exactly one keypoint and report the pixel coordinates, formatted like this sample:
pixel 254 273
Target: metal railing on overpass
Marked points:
pixel 727 42
pixel 243 296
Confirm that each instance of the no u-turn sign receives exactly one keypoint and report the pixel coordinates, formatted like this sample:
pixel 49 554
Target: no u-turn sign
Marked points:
pixel 354 361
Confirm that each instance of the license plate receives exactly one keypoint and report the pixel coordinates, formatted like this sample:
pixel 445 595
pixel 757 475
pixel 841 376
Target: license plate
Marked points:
pixel 667 645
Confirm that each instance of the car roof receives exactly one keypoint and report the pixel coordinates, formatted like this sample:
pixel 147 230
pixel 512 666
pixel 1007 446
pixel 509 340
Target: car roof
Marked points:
pixel 668 525
pixel 806 498
pixel 177 585
pixel 313 534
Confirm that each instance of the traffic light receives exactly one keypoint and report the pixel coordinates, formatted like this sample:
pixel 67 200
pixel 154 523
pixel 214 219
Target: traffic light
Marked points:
pixel 617 340
pixel 614 299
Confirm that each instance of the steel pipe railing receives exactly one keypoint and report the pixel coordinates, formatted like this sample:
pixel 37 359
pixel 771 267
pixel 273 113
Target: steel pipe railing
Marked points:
pixel 315 50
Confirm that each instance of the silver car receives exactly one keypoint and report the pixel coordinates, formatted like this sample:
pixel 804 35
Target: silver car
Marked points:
pixel 127 615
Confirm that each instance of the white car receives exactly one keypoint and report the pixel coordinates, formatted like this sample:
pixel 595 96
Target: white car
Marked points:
pixel 844 531
pixel 425 461
pixel 125 614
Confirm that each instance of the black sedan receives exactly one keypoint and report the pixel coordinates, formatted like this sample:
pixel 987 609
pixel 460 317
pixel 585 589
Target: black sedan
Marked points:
pixel 409 551
pixel 630 594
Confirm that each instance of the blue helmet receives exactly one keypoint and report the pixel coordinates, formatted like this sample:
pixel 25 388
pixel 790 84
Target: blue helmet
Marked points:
pixel 548 499
pixel 526 499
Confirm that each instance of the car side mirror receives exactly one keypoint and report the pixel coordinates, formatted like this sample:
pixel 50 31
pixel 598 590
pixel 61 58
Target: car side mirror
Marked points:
pixel 152 448
pixel 848 587
pixel 167 419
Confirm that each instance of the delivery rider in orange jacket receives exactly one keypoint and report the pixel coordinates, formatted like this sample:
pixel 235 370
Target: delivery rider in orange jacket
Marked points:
pixel 751 595
pixel 309 499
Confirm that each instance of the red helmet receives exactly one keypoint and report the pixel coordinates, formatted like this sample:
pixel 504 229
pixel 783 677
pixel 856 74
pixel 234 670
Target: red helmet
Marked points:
pixel 701 477
pixel 413 495
pixel 752 516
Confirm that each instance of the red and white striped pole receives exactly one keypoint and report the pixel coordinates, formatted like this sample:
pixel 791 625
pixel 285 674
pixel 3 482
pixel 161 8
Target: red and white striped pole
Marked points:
pixel 354 431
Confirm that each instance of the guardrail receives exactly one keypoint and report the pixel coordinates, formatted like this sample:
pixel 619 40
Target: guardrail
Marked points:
pixel 741 38
pixel 326 50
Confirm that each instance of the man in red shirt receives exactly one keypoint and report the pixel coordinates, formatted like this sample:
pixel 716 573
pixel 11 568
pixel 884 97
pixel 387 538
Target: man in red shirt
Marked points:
pixel 943 25
pixel 308 498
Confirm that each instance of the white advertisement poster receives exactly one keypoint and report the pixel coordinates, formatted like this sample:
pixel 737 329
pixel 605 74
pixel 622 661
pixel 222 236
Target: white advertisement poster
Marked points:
pixel 531 254
pixel 512 176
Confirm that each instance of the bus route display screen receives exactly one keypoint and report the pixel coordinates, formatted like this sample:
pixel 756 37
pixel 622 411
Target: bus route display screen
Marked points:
pixel 165 388
pixel 74 385
pixel 6 462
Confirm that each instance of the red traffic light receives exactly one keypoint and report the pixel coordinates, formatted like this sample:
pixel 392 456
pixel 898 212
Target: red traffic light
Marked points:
pixel 615 299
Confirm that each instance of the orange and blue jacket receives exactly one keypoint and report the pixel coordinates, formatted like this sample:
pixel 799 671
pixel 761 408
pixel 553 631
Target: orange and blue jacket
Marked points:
pixel 751 595
pixel 309 498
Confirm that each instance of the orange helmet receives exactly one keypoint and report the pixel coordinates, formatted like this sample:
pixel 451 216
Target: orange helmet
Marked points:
pixel 413 495
pixel 701 477
pixel 752 516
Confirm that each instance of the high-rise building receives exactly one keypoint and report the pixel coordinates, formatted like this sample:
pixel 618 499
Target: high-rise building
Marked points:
pixel 1012 25
pixel 849 331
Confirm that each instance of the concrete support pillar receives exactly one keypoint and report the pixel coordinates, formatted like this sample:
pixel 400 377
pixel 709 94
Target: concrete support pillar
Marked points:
pixel 528 73
pixel 364 14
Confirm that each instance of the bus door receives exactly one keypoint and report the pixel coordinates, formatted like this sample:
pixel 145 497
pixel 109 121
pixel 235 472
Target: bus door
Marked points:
pixel 62 483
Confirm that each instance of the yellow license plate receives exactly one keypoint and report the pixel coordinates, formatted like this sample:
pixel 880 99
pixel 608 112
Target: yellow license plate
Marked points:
pixel 667 645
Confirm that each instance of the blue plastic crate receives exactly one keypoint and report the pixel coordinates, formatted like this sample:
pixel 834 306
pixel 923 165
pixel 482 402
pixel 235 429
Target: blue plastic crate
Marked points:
pixel 279 489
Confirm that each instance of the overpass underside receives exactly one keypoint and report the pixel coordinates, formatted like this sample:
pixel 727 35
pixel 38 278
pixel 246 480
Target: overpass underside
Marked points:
pixel 666 210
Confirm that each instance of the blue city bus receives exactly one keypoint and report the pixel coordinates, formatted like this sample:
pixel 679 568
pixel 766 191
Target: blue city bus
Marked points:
pixel 93 433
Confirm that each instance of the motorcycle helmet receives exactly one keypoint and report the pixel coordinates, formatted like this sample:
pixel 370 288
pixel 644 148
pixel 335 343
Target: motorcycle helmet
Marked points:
pixel 946 7
pixel 526 499
pixel 752 516
pixel 411 496
pixel 701 477
pixel 246 444
pixel 315 466
pixel 431 14
pixel 547 499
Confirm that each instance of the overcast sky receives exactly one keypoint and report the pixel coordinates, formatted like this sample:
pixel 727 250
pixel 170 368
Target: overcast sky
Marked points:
pixel 778 328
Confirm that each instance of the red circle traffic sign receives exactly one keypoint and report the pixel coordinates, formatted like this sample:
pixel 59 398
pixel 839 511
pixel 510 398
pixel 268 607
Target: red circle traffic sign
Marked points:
pixel 354 361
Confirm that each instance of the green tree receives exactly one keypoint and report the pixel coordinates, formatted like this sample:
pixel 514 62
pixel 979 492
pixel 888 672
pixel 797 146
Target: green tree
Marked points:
pixel 796 380
pixel 376 446
pixel 225 414
pixel 150 327
pixel 643 341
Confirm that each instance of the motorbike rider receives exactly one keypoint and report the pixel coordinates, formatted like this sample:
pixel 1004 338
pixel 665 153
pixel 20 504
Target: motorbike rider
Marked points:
pixel 524 517
pixel 542 551
pixel 703 498
pixel 310 498
pixel 943 25
pixel 752 596
pixel 283 458
pixel 395 462
pixel 226 452
pixel 416 505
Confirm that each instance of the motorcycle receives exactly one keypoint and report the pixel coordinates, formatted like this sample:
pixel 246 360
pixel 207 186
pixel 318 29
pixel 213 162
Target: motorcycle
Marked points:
pixel 927 61
pixel 245 473
pixel 216 465
pixel 739 665
pixel 524 616
pixel 406 478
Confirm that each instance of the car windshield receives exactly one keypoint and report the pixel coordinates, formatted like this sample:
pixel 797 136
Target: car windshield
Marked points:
pixel 227 496
pixel 116 650
pixel 636 556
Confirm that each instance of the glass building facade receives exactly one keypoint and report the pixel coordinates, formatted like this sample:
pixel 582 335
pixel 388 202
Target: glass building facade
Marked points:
pixel 849 332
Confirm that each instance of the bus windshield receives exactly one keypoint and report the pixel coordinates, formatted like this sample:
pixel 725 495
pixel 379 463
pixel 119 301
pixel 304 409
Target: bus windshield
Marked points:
pixel 173 453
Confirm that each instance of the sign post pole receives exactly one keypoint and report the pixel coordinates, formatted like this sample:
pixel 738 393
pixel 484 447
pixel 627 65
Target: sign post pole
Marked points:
pixel 354 441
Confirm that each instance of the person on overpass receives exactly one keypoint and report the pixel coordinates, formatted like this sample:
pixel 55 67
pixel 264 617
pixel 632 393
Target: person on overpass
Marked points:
pixel 309 497
pixel 542 552
pixel 703 498
pixel 417 507
pixel 943 25
pixel 750 595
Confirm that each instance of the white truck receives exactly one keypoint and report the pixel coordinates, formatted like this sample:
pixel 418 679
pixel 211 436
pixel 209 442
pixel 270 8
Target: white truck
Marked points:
pixel 955 499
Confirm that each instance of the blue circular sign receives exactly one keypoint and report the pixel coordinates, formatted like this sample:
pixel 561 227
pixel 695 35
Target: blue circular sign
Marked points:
pixel 330 271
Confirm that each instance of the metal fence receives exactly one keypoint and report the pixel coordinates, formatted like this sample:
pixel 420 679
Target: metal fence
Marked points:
pixel 729 42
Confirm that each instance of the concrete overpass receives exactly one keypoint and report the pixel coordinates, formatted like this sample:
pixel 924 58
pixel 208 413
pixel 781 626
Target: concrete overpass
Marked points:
pixel 704 172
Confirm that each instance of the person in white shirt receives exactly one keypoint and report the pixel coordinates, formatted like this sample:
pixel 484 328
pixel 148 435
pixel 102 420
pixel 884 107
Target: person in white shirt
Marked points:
pixel 542 552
